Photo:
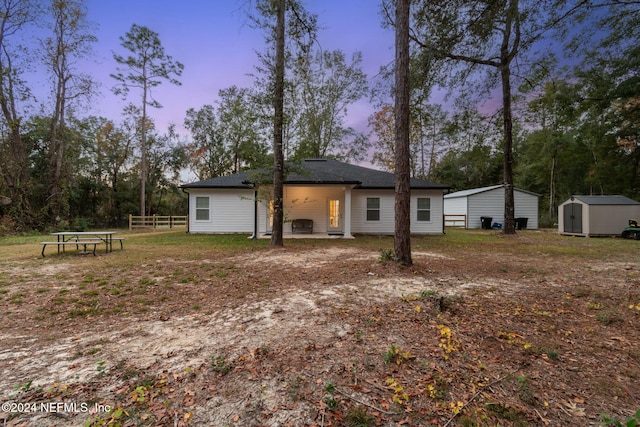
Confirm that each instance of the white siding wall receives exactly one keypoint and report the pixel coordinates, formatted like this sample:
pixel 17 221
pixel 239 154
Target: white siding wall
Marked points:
pixel 455 206
pixel 491 203
pixel 434 226
pixel 526 206
pixel 359 223
pixel 488 203
pixel 386 225
pixel 230 211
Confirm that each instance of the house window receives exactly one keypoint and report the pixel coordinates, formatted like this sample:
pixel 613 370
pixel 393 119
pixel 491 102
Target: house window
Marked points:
pixel 202 209
pixel 424 209
pixel 373 209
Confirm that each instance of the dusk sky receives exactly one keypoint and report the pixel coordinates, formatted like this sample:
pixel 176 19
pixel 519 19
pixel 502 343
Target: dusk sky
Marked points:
pixel 214 41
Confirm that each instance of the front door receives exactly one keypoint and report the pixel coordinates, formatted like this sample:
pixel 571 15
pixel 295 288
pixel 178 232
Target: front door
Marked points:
pixel 573 218
pixel 335 217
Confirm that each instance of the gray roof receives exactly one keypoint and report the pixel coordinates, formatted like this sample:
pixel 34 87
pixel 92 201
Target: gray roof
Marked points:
pixel 320 172
pixel 606 200
pixel 473 191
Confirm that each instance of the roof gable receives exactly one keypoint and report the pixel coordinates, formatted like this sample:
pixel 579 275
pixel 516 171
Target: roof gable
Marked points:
pixel 320 172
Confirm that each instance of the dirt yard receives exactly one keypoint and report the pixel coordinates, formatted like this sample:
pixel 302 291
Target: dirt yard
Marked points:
pixel 321 335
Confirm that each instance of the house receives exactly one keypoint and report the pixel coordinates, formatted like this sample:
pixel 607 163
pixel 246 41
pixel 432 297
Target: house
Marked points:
pixel 469 206
pixel 596 215
pixel 340 199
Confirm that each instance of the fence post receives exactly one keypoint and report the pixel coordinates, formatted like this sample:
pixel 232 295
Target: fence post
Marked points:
pixel 130 225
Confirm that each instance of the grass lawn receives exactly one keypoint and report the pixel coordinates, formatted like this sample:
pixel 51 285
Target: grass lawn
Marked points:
pixel 178 329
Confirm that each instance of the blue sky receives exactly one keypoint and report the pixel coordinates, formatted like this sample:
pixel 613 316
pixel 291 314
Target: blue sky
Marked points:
pixel 214 41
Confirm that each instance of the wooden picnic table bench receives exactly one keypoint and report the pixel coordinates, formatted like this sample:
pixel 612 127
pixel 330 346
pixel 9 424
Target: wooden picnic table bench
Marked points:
pixel 84 243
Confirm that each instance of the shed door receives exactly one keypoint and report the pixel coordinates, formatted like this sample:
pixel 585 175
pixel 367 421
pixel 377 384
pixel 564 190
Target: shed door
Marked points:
pixel 573 218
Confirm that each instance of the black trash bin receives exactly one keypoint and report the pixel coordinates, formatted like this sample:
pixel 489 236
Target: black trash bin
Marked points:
pixel 521 223
pixel 486 222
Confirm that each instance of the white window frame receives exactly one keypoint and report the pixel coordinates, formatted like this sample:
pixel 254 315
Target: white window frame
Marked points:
pixel 373 209
pixel 420 210
pixel 203 209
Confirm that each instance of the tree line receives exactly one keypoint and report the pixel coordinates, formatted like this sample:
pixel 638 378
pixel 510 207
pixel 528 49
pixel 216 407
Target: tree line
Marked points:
pixel 555 129
pixel 564 81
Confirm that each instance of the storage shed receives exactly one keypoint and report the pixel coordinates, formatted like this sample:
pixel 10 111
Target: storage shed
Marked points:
pixel 488 202
pixel 596 215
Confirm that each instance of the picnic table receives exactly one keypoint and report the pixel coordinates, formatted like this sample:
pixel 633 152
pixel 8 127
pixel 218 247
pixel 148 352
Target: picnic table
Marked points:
pixel 85 239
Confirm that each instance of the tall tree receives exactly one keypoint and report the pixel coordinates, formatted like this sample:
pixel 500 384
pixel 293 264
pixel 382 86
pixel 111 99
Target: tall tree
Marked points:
pixel 208 155
pixel 483 33
pixel 15 17
pixel 146 66
pixel 327 85
pixel 112 153
pixel 552 117
pixel 284 21
pixel 472 157
pixel 239 125
pixel 70 42
pixel 278 119
pixel 402 238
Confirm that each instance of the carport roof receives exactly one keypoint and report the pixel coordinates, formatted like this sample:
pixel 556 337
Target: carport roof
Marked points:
pixel 474 191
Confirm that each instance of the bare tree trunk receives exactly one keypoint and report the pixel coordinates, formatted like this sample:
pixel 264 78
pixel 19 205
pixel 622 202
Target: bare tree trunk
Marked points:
pixel 509 202
pixel 143 153
pixel 512 27
pixel 278 157
pixel 57 143
pixel 402 240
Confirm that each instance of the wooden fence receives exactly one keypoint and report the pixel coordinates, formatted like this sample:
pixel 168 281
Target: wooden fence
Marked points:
pixel 455 220
pixel 158 221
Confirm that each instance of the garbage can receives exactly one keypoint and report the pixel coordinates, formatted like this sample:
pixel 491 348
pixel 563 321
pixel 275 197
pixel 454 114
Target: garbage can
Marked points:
pixel 486 222
pixel 521 223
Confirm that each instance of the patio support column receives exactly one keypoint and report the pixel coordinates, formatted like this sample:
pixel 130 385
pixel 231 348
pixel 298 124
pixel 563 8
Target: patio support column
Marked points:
pixel 347 213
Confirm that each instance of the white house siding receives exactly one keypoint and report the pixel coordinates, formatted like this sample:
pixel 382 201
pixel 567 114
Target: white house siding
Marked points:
pixel 434 226
pixel 230 211
pixel 386 225
pixel 359 223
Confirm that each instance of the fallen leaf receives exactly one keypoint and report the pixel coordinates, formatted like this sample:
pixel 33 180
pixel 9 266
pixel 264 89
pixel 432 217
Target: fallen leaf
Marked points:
pixel 574 409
